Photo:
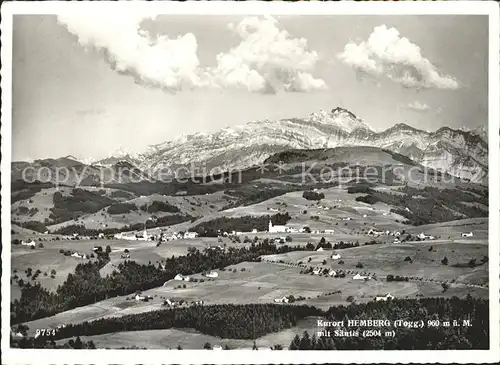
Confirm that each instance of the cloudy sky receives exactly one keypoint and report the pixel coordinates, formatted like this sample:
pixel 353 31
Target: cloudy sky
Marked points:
pixel 91 86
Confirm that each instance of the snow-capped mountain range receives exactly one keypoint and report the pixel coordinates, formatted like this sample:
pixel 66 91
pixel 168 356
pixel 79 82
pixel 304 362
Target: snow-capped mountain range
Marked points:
pixel 460 152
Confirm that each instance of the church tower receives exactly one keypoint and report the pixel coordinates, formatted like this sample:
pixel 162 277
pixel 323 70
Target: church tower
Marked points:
pixel 270 225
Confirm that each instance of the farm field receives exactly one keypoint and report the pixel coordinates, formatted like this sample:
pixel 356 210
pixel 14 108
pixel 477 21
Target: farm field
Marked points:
pixel 383 260
pixel 336 206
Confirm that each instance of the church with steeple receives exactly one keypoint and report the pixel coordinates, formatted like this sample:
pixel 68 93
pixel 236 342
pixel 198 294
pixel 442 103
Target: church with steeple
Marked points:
pixel 276 229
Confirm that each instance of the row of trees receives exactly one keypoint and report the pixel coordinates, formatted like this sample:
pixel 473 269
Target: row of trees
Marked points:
pixel 122 208
pixel 41 343
pixel 215 227
pixel 312 195
pixel 243 321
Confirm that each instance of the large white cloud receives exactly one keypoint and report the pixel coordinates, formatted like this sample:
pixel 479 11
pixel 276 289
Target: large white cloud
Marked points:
pixel 266 60
pixel 164 62
pixel 387 54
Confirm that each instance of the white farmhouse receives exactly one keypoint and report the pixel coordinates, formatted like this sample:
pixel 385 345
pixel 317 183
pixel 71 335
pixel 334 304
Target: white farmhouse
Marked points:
pixel 79 256
pixel 329 231
pixel 179 277
pixel 470 234
pixel 320 249
pixel 170 303
pixel 331 273
pixel 423 236
pixel 388 296
pixel 140 297
pixel 317 271
pixel 281 300
pixel 30 243
pixel 374 232
pixel 335 256
pixel 212 274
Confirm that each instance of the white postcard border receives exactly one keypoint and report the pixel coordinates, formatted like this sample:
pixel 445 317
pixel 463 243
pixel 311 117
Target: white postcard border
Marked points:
pixel 47 356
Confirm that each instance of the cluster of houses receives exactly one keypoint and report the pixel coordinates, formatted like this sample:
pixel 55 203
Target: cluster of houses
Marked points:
pixel 383 298
pixel 181 236
pixel 338 273
pixel 172 303
pixel 319 270
pixel 376 232
pixel 422 236
pixel 145 236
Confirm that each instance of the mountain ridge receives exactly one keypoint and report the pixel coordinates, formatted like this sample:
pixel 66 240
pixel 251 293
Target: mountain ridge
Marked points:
pixel 459 152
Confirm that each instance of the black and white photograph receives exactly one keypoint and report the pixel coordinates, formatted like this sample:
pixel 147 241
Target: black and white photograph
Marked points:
pixel 232 177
